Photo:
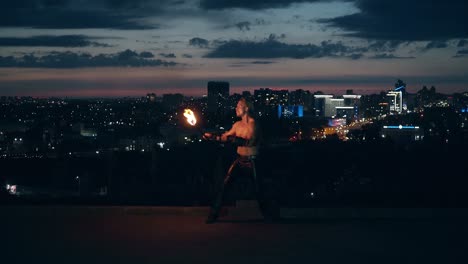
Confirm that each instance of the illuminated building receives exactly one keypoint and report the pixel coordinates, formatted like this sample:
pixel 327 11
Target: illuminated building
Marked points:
pixel 347 106
pixel 396 101
pixel 300 97
pixel 402 134
pixel 331 105
pixel 218 93
pixel 151 97
pixel 88 132
pixel 268 97
pixel 266 100
pixel 354 101
pixel 172 101
pixel 320 103
pixel 347 112
pixel 290 111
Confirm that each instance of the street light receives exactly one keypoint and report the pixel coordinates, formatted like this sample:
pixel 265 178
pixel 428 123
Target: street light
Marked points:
pixel 79 185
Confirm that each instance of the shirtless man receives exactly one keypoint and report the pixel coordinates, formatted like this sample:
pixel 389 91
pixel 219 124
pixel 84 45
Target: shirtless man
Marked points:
pixel 244 131
pixel 246 135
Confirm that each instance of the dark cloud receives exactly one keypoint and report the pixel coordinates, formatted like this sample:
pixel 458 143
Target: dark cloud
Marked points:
pixel 218 42
pixel 461 53
pixel 127 58
pixel 261 22
pixel 356 56
pixel 462 43
pixel 272 48
pixel 128 4
pixel 436 45
pixel 405 20
pixel 127 55
pixel 262 62
pixel 247 25
pixel 64 14
pixel 383 56
pixel 188 56
pixel 178 2
pixel 384 46
pixel 237 65
pixel 167 55
pixel 246 64
pixel 199 42
pixel 243 26
pixel 146 54
pixel 51 41
pixel 250 4
pixel 276 37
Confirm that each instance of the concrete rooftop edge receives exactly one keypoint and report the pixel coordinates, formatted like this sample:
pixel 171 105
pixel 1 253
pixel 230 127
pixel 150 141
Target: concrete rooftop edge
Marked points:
pixel 286 213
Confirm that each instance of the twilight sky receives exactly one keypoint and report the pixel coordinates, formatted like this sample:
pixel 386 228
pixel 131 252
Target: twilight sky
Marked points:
pixel 106 48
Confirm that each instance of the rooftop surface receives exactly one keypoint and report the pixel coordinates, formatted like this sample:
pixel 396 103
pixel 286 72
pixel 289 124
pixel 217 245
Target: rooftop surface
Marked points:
pixel 47 234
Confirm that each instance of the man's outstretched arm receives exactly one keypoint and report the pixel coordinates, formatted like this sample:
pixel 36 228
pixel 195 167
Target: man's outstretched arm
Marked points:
pixel 230 133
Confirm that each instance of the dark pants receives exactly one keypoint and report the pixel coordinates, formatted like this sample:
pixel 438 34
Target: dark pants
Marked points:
pixel 256 169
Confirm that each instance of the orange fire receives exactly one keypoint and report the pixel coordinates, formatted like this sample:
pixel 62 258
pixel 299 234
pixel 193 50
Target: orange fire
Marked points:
pixel 190 116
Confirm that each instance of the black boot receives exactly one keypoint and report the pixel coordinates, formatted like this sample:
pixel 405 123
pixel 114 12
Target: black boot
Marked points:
pixel 212 216
pixel 271 212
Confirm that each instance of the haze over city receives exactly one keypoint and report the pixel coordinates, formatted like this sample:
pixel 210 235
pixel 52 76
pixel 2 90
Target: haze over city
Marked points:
pixel 83 48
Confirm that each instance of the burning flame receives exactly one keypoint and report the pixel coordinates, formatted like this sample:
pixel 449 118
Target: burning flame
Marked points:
pixel 190 117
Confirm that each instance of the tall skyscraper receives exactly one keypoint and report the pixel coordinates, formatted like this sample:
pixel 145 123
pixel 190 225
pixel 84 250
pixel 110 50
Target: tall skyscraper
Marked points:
pixel 395 101
pixel 218 94
pixel 172 101
pixel 320 103
pixel 327 106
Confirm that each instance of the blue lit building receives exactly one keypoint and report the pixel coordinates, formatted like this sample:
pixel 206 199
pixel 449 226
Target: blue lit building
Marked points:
pixel 402 134
pixel 290 111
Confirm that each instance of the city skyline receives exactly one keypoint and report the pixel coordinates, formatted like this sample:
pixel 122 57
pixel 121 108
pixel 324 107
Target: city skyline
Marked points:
pixel 131 48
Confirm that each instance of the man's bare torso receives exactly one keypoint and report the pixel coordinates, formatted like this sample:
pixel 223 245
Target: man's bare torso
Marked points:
pixel 246 130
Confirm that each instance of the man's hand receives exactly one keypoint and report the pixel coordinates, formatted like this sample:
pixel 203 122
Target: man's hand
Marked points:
pixel 209 136
pixel 224 138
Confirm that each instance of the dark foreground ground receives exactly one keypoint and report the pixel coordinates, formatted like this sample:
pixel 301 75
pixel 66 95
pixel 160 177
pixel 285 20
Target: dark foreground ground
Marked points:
pixel 176 235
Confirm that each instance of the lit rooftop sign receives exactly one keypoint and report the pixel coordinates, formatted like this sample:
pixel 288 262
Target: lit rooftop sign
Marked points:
pixel 401 127
pixel 344 107
pixel 323 96
pixel 400 88
pixel 351 96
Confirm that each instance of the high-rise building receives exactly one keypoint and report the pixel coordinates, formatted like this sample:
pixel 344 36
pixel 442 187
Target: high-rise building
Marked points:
pixel 267 100
pixel 395 101
pixel 218 94
pixel 320 102
pixel 246 94
pixel 347 106
pixel 172 101
pixel 331 105
pixel 151 97
pixel 352 101
pixel 267 97
pixel 300 97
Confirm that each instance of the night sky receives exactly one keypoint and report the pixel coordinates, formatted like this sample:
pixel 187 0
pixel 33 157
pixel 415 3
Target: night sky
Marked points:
pixel 107 48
